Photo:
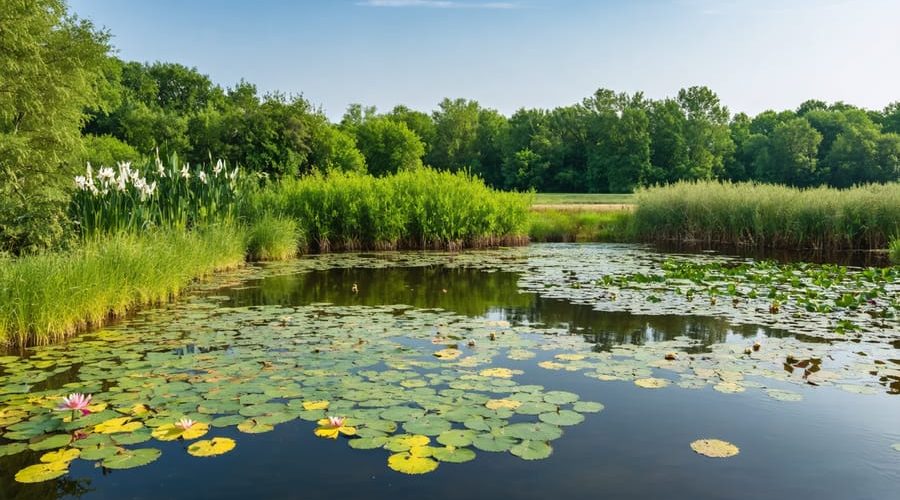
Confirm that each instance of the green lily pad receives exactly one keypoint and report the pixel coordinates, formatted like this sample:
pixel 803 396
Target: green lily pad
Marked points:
pixel 532 450
pixel 428 425
pixel 128 459
pixel 453 455
pixel 562 417
pixel 587 407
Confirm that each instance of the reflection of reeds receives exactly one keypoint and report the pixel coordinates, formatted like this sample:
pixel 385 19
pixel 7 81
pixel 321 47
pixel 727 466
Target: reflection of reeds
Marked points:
pixel 44 298
pixel 761 215
pixel 422 208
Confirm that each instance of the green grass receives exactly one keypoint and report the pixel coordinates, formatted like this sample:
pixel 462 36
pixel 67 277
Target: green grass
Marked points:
pixel 273 238
pixel 582 198
pixel 769 215
pixel 422 208
pixel 894 251
pixel 576 225
pixel 45 298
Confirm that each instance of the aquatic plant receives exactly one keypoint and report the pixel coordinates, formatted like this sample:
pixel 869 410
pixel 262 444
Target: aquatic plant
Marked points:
pixel 577 225
pixel 421 208
pixel 47 297
pixel 132 198
pixel 762 215
pixel 273 238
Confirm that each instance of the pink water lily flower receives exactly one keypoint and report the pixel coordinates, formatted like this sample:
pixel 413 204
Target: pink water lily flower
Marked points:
pixel 336 422
pixel 76 402
pixel 185 424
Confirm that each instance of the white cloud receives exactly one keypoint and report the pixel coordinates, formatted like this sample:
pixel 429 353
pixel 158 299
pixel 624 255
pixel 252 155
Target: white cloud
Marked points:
pixel 438 4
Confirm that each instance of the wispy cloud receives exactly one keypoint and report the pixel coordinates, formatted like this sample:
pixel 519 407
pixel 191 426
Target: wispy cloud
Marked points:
pixel 438 4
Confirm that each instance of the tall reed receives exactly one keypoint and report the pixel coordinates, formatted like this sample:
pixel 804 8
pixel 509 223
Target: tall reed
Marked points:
pixel 420 208
pixel 774 216
pixel 44 298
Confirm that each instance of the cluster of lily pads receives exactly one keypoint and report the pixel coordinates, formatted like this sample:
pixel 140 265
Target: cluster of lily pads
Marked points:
pixel 409 381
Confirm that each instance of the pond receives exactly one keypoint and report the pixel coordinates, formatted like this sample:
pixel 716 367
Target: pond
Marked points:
pixel 575 370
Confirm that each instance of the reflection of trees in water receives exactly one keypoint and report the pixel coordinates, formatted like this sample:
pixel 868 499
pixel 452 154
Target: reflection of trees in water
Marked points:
pixel 466 291
pixel 477 293
pixel 616 327
pixel 62 487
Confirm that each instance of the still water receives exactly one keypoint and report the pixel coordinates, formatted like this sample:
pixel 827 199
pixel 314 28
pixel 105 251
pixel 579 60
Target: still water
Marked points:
pixel 834 443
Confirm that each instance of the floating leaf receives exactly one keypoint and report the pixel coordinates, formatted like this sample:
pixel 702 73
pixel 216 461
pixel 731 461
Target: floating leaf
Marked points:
pixel 409 464
pixel 171 432
pixel 497 372
pixel 12 449
pixel 782 395
pixel 729 387
pixel 715 448
pixel 114 425
pixel 532 450
pixel 51 442
pixel 128 459
pixel 536 431
pixel 66 455
pixel 496 404
pixel 404 442
pixel 560 397
pixel 211 447
pixel 456 437
pixel 587 407
pixel 651 383
pixel 448 354
pixel 428 425
pixel 493 442
pixel 252 426
pixel 452 454
pixel 42 472
pixel 315 405
pixel 562 417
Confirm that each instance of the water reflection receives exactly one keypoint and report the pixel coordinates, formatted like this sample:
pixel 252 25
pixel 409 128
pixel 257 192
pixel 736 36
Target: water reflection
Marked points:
pixel 478 293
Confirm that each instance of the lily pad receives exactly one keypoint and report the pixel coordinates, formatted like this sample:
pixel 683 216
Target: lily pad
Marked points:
pixel 562 417
pixel 651 383
pixel 127 459
pixel 532 450
pixel 453 455
pixel 406 463
pixel 211 447
pixel 42 472
pixel 715 448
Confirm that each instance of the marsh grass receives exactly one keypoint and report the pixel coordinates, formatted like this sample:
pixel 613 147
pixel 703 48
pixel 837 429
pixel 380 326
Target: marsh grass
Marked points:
pixel 273 238
pixel 45 298
pixel 577 226
pixel 769 216
pixel 894 251
pixel 421 208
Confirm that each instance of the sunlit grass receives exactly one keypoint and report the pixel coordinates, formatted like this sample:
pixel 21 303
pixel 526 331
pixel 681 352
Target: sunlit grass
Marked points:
pixel 582 198
pixel 569 225
pixel 769 215
pixel 44 298
pixel 273 238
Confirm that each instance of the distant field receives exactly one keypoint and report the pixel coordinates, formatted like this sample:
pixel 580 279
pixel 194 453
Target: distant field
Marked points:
pixel 582 199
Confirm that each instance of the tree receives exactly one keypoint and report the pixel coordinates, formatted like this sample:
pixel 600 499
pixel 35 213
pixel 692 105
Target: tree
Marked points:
pixel 417 121
pixel 53 68
pixel 456 135
pixel 388 146
pixel 706 134
pixel 668 145
pixel 792 154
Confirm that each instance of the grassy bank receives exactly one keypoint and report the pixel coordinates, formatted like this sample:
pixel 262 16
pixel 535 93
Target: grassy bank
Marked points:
pixel 769 216
pixel 44 298
pixel 582 198
pixel 417 209
pixel 577 225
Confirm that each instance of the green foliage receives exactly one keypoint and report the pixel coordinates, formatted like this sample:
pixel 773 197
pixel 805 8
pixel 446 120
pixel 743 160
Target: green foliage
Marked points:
pixel 388 146
pixel 894 251
pixel 107 150
pixel 155 195
pixel 421 208
pixel 54 69
pixel 769 215
pixel 45 297
pixel 577 225
pixel 273 238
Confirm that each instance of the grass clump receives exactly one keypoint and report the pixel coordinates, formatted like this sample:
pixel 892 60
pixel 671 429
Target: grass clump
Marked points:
pixel 273 238
pixel 894 251
pixel 420 208
pixel 577 225
pixel 770 216
pixel 46 297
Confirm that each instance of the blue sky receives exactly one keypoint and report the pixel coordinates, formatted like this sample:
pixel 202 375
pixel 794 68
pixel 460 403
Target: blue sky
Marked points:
pixel 756 54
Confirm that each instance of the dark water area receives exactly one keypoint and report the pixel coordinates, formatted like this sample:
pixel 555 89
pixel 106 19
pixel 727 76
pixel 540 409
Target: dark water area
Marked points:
pixel 833 444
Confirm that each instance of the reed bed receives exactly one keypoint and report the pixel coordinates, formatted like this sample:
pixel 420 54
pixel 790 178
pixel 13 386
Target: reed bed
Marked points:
pixel 47 297
pixel 421 208
pixel 273 238
pixel 770 216
pixel 894 251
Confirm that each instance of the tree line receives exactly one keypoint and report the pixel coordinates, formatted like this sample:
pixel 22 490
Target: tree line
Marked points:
pixel 66 100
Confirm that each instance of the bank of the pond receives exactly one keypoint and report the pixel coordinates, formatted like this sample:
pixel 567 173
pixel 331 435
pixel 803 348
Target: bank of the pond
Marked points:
pixel 45 298
pixel 772 216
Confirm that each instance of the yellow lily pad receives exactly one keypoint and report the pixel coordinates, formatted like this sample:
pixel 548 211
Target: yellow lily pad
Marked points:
pixel 410 464
pixel 114 425
pixel 715 448
pixel 326 430
pixel 570 357
pixel 448 354
pixel 651 383
pixel 497 372
pixel 251 426
pixel 315 405
pixel 211 447
pixel 64 455
pixel 405 442
pixel 42 472
pixel 496 404
pixel 171 432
